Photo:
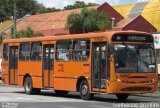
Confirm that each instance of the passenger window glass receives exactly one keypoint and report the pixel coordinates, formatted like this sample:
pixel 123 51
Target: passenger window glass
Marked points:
pixel 36 51
pixel 5 51
pixel 24 51
pixel 81 50
pixel 13 57
pixel 64 50
pixel 48 57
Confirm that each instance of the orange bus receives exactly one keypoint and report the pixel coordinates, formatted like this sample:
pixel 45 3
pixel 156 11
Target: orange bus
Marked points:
pixel 116 62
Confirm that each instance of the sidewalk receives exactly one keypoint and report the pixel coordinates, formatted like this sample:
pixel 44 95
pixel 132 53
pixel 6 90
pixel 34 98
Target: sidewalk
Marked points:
pixel 1 83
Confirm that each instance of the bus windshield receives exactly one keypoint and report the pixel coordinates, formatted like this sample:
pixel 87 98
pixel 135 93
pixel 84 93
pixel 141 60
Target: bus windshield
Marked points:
pixel 134 58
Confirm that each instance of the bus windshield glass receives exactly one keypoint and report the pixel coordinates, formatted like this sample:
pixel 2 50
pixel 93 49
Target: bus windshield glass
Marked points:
pixel 134 58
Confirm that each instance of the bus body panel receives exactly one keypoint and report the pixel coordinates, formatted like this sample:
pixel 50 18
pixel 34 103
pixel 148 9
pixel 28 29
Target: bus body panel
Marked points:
pixel 20 80
pixel 68 73
pixel 5 72
pixel 37 81
pixel 34 69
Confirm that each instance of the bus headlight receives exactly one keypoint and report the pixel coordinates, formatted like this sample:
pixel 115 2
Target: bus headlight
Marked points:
pixel 150 81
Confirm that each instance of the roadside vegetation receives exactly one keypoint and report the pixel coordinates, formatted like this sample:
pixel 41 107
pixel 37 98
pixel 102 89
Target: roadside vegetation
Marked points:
pixel 88 20
pixel 28 32
pixel 32 7
pixel 159 86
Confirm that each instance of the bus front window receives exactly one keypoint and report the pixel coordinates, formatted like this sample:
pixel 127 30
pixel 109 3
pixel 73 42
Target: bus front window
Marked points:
pixel 134 58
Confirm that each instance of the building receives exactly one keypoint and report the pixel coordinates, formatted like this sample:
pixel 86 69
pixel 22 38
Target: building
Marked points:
pixel 138 23
pixel 54 23
pixel 149 10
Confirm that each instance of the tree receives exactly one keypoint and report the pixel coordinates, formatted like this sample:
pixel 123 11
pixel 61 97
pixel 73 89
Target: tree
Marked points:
pixel 88 21
pixel 23 7
pixel 78 4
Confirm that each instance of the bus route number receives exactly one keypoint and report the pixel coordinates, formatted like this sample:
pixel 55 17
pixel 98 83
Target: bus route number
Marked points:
pixel 98 39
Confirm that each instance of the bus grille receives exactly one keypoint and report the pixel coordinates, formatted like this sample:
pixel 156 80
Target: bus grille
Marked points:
pixel 136 89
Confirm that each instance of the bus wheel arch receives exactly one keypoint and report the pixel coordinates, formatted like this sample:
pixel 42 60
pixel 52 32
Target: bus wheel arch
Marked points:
pixel 80 79
pixel 83 88
pixel 28 85
pixel 25 76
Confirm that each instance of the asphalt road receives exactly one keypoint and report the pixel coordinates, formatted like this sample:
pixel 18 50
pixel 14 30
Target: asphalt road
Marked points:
pixel 13 97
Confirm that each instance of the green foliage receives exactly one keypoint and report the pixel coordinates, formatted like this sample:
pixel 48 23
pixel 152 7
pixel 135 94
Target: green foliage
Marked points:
pixel 75 22
pixel 27 33
pixel 23 7
pixel 39 34
pixel 78 4
pixel 0 40
pixel 88 21
pixel 159 86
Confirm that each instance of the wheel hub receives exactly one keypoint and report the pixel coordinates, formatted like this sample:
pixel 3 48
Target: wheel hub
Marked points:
pixel 28 86
pixel 84 89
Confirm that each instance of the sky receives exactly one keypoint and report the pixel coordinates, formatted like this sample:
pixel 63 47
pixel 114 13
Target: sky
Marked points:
pixel 61 3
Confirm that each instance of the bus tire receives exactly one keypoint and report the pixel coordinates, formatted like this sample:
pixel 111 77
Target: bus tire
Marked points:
pixel 61 92
pixel 28 87
pixel 122 96
pixel 84 91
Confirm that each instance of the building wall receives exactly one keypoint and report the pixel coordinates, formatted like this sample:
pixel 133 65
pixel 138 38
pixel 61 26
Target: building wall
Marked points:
pixel 140 24
pixel 53 32
pixel 110 11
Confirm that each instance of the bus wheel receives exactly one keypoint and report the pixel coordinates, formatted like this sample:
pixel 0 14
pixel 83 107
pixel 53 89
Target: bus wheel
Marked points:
pixel 122 96
pixel 61 92
pixel 84 91
pixel 28 87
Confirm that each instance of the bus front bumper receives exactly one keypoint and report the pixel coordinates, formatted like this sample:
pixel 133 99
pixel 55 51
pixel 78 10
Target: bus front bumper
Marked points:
pixel 117 87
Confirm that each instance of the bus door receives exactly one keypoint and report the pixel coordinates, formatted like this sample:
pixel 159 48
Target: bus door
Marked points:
pixel 48 65
pixel 13 65
pixel 99 65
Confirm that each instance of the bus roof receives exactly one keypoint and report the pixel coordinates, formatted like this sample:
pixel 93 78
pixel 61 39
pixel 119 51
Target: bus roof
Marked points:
pixel 107 34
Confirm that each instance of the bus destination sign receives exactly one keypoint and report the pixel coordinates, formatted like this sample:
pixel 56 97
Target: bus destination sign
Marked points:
pixel 137 38
pixel 132 38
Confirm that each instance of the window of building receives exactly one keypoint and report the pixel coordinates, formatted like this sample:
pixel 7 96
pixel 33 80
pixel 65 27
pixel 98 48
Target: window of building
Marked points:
pixel 64 49
pixel 36 51
pixel 5 51
pixel 81 50
pixel 24 51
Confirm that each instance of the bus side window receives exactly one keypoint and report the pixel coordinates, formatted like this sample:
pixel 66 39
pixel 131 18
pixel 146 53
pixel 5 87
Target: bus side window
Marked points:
pixel 36 51
pixel 81 50
pixel 64 50
pixel 24 51
pixel 5 52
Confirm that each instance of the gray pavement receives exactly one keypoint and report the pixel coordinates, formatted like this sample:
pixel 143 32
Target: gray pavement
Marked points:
pixel 16 98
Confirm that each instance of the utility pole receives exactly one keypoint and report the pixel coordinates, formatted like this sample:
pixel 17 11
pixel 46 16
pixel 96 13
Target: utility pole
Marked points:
pixel 15 19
